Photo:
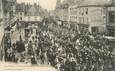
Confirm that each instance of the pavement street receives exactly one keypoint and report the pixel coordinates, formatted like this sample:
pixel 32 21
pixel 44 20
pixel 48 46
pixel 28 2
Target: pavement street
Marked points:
pixel 24 67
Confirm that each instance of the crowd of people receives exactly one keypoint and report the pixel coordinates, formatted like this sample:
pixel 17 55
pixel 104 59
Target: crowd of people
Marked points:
pixel 64 49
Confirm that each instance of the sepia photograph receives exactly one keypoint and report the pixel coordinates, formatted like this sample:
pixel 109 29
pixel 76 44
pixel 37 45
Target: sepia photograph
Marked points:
pixel 57 35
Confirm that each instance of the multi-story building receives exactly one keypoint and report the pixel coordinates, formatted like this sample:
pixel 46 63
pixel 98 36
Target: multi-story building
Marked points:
pixel 9 8
pixel 33 15
pixel 73 13
pixel 20 11
pixel 1 11
pixel 99 15
pixel 29 13
pixel 1 29
pixel 62 11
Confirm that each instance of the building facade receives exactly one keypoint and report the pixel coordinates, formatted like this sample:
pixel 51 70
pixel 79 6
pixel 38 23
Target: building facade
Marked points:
pixel 1 29
pixel 62 11
pixel 20 11
pixel 97 15
pixel 9 8
pixel 33 15
pixel 28 12
pixel 111 20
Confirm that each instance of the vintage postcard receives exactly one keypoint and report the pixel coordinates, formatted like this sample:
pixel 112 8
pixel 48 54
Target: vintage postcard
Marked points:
pixel 57 35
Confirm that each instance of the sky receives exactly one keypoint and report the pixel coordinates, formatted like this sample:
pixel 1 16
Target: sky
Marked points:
pixel 46 4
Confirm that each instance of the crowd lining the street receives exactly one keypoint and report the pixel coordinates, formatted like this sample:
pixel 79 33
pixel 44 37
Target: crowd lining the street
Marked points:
pixel 64 49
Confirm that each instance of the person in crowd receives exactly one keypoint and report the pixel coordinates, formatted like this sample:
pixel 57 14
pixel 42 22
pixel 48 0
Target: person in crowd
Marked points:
pixel 67 49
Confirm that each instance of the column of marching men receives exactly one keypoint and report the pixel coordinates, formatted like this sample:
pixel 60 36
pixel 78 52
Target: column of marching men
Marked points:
pixel 66 51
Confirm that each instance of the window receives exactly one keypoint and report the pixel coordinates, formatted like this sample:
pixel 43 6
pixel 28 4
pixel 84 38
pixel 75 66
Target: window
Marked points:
pixel 76 17
pixel 21 13
pixel 86 11
pixel 83 20
pixel 104 11
pixel 87 21
pixel 112 16
pixel 94 29
pixel 79 10
pixel 35 18
pixel 21 18
pixel 111 32
pixel 29 18
pixel 70 18
pixel 79 19
pixel 82 11
pixel 104 19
